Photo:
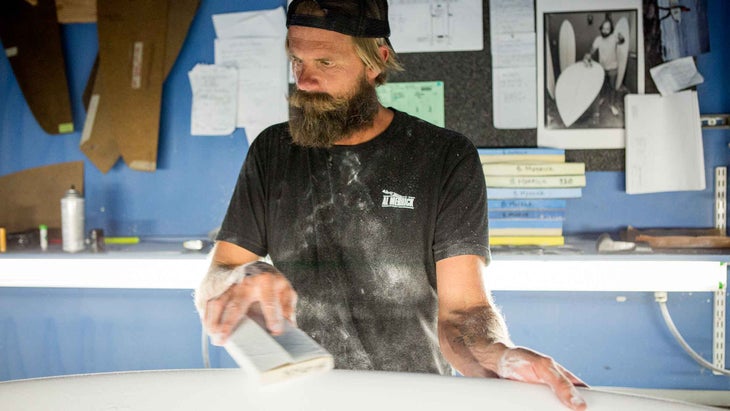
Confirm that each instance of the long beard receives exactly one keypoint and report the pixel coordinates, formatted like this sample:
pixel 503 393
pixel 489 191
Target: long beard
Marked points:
pixel 320 120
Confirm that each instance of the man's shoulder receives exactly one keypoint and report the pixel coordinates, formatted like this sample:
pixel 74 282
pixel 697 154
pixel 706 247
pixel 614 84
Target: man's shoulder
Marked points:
pixel 275 131
pixel 429 133
pixel 273 135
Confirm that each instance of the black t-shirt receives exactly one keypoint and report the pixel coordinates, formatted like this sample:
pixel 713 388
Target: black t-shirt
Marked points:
pixel 358 229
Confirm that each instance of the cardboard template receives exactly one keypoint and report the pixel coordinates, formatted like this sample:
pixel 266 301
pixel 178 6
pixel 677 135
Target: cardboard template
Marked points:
pixel 76 11
pixel 102 141
pixel 97 139
pixel 32 40
pixel 131 71
pixel 33 196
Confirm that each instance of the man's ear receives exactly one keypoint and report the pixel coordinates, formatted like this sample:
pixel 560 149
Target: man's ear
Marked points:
pixel 384 54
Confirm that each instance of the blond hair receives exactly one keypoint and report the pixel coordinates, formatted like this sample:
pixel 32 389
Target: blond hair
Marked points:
pixel 368 49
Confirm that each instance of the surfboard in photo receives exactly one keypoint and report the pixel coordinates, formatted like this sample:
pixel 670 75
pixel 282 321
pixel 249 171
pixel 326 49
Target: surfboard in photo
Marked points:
pixel 622 50
pixel 566 45
pixel 576 89
pixel 549 71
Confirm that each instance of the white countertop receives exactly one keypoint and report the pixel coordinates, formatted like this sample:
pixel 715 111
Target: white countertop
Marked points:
pixel 575 268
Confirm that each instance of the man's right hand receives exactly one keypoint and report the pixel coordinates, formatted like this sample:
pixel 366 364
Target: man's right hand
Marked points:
pixel 261 283
pixel 587 60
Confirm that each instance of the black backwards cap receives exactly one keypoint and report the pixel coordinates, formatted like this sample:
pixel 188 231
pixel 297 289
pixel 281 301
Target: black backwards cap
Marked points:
pixel 357 18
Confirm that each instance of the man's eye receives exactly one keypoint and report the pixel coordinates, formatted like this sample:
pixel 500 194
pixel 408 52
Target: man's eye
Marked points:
pixel 326 63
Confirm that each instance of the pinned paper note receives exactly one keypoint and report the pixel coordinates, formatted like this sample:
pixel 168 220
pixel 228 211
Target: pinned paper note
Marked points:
pixel 253 43
pixel 437 25
pixel 513 97
pixel 262 85
pixel 676 75
pixel 664 150
pixel 423 99
pixel 514 84
pixel 512 16
pixel 213 110
pixel 257 23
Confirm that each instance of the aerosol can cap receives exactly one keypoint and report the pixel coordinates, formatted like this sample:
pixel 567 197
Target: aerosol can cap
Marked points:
pixel 72 192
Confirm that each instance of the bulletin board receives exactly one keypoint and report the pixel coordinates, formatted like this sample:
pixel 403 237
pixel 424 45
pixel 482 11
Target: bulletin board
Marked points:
pixel 467 77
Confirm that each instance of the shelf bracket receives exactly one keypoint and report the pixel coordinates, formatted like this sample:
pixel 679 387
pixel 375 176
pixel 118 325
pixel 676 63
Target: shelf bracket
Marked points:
pixel 718 330
pixel 721 199
pixel 715 120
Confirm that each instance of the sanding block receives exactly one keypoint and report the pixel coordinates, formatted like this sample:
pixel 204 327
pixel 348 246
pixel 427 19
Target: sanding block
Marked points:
pixel 268 358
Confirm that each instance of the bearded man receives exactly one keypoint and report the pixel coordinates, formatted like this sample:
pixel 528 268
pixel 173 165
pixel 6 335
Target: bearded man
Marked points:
pixel 606 45
pixel 377 219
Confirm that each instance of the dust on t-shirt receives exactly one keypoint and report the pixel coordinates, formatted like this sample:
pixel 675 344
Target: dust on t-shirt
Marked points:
pixel 357 230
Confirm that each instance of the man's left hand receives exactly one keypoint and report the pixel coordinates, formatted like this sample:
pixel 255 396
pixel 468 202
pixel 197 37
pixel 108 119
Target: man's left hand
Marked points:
pixel 522 364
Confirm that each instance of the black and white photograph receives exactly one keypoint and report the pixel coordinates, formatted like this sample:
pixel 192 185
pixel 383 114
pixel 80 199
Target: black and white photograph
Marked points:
pixel 590 57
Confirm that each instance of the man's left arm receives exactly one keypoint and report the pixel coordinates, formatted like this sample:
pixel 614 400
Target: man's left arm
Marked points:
pixel 474 338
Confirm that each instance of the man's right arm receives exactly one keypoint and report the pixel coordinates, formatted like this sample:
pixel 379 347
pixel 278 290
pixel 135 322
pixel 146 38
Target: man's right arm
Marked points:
pixel 235 280
pixel 588 57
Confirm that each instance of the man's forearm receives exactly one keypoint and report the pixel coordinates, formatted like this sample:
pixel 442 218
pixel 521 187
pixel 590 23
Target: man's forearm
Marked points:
pixel 479 325
pixel 473 339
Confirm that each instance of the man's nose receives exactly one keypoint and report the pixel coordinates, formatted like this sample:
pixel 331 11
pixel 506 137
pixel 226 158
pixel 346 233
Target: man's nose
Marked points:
pixel 306 79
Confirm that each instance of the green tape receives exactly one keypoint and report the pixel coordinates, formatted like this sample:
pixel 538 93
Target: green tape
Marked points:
pixel 121 240
pixel 66 128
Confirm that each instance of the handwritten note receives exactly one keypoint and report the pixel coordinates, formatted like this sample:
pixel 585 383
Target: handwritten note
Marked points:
pixel 514 98
pixel 262 78
pixel 213 109
pixel 514 84
pixel 513 50
pixel 512 16
pixel 253 43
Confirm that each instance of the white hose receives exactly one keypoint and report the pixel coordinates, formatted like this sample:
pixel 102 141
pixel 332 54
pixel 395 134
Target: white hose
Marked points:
pixel 661 299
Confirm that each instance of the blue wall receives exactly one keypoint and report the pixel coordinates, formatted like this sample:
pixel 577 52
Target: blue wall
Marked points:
pixel 52 332
pixel 188 194
pixel 45 332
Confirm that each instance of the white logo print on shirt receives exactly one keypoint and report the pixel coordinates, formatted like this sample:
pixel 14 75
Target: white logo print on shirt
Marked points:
pixel 394 200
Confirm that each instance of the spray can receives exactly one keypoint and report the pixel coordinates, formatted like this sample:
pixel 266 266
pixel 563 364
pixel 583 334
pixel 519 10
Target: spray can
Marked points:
pixel 72 221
